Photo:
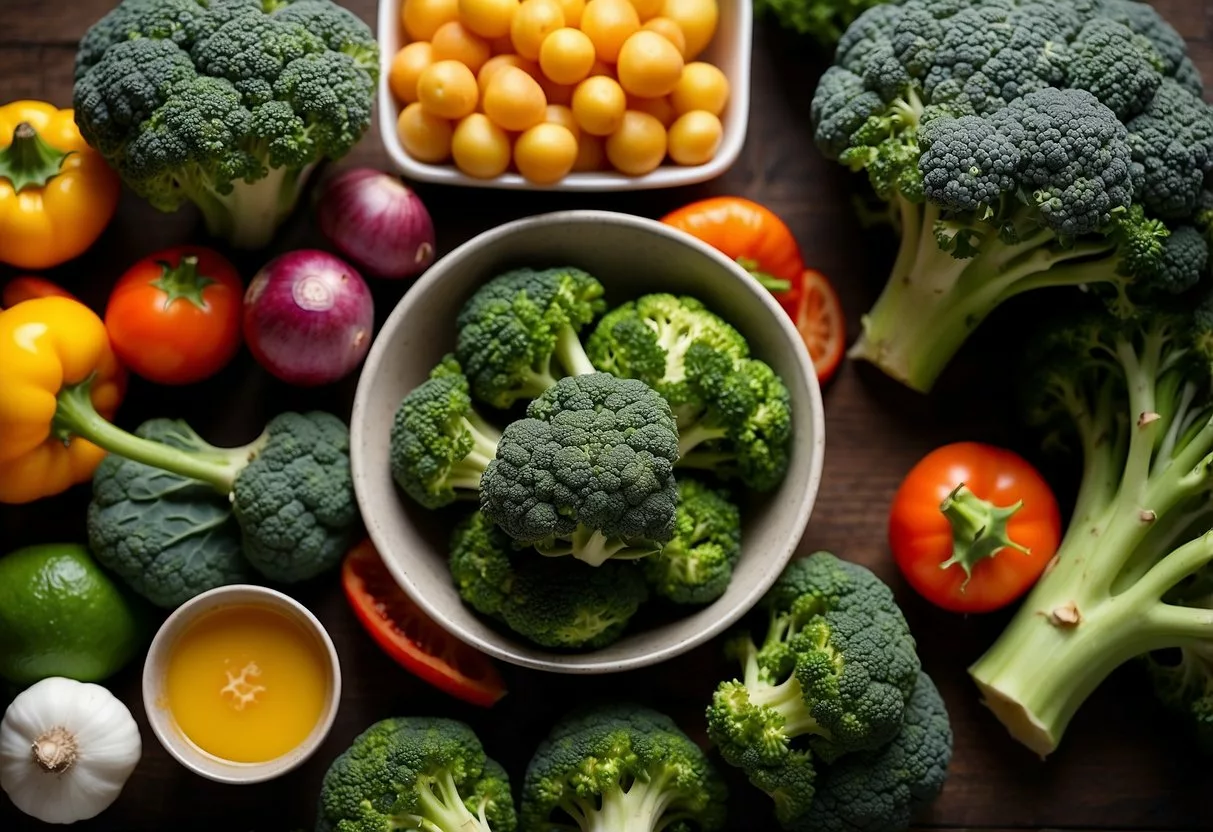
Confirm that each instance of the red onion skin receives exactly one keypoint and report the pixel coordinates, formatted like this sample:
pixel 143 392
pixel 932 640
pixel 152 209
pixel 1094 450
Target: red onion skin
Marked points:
pixel 308 317
pixel 378 223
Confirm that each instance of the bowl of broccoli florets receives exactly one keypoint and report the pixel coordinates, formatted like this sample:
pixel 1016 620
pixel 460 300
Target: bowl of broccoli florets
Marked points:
pixel 586 442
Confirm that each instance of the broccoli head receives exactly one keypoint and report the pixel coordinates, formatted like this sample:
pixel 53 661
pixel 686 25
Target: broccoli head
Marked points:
pixel 227 105
pixel 621 767
pixel 831 676
pixel 519 332
pixel 589 472
pixel 440 445
pixel 168 537
pixel 554 604
pixel 676 345
pixel 696 565
pixel 1020 145
pixel 878 791
pixel 416 773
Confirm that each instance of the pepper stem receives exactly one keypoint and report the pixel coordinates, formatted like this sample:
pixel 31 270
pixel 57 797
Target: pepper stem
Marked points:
pixel 182 282
pixel 774 285
pixel 29 162
pixel 979 529
pixel 75 416
pixel 55 750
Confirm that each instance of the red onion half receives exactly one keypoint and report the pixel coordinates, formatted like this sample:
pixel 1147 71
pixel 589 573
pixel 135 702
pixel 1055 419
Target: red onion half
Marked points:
pixel 308 317
pixel 377 221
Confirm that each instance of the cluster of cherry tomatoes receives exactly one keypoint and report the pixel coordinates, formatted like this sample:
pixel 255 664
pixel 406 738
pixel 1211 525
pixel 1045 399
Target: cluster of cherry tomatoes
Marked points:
pixel 555 86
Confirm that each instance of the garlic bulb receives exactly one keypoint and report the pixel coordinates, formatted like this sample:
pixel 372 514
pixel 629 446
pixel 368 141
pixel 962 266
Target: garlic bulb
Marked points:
pixel 66 750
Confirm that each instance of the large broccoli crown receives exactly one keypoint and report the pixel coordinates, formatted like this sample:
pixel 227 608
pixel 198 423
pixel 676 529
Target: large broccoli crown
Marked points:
pixel 188 100
pixel 596 453
pixel 424 772
pixel 696 565
pixel 440 446
pixel 295 500
pixel 880 790
pixel 170 538
pixel 554 604
pixel 621 766
pixel 518 332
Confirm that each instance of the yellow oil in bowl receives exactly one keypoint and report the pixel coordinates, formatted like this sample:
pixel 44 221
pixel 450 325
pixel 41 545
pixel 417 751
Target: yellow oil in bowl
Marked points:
pixel 246 684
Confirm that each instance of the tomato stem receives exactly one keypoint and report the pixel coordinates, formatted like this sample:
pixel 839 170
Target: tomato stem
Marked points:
pixel 29 162
pixel 979 529
pixel 182 282
pixel 774 285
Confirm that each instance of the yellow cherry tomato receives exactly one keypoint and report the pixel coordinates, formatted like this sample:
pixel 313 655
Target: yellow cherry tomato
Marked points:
pixel 566 55
pixel 669 30
pixel 573 10
pixel 407 66
pixel 488 18
pixel 599 104
pixel 447 89
pixel 421 18
pixel 696 18
pixel 590 154
pixel 455 42
pixel 545 153
pixel 701 87
pixel 499 62
pixel 695 137
pixel 638 146
pixel 609 23
pixel 532 23
pixel 514 100
pixel 658 108
pixel 480 148
pixel 425 137
pixel 649 65
pixel 646 9
pixel 562 115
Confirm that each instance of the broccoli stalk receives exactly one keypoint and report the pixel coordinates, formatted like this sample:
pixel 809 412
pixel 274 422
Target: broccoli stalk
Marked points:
pixel 249 214
pixel 1137 397
pixel 595 548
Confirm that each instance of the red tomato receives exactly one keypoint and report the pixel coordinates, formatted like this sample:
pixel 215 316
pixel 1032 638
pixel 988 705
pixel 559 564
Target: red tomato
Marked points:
pixel 752 235
pixel 411 637
pixel 174 317
pixel 28 287
pixel 821 324
pixel 1004 501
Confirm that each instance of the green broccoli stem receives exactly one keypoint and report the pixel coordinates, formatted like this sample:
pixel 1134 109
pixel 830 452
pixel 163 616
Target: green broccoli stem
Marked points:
pixel 75 417
pixel 465 475
pixel 636 807
pixel 443 810
pixel 694 436
pixel 979 529
pixel 29 162
pixel 249 216
pixel 571 354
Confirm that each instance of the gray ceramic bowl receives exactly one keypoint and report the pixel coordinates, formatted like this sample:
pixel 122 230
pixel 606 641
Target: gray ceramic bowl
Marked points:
pixel 631 256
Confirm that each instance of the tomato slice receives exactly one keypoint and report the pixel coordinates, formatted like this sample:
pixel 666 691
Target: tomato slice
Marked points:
pixel 821 324
pixel 412 638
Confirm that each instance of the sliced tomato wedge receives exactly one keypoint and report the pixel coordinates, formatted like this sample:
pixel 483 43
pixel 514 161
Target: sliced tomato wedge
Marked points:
pixel 821 324
pixel 412 638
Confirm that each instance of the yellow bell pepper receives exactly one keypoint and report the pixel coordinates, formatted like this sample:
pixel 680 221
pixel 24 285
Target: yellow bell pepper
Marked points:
pixel 51 348
pixel 56 193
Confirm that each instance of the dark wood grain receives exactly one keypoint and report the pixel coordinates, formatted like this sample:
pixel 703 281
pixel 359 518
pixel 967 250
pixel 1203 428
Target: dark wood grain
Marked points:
pixel 1122 766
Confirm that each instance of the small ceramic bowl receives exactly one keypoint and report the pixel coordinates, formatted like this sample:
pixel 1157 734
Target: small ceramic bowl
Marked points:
pixel 161 718
pixel 631 256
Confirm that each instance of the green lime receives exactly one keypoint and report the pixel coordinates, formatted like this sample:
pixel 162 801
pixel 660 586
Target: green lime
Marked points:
pixel 60 615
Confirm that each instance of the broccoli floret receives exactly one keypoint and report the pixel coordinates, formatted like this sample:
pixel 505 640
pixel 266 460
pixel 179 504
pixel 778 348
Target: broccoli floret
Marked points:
pixel 696 565
pixel 416 773
pixel 168 537
pixel 554 604
pixel 440 445
pixel 823 20
pixel 1020 145
pixel 519 332
pixel 620 767
pixel 226 105
pixel 589 472
pixel 878 791
pixel 831 676
pixel 744 431
pixel 1134 398
pixel 676 345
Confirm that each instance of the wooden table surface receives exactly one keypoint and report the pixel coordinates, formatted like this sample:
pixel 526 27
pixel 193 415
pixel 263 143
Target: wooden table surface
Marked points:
pixel 1123 765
